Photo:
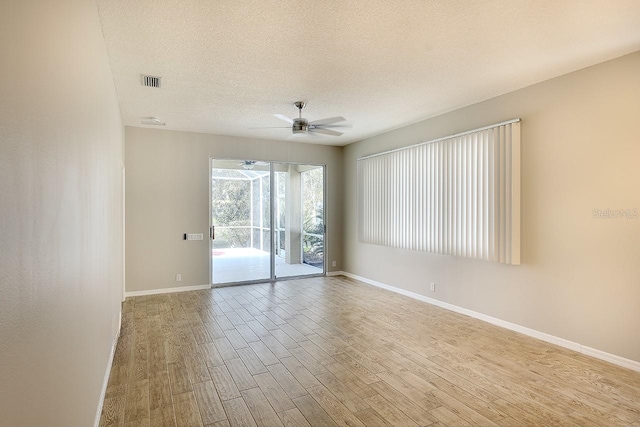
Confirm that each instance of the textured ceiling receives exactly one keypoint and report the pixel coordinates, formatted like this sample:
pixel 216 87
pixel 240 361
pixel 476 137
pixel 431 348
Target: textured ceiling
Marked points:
pixel 227 66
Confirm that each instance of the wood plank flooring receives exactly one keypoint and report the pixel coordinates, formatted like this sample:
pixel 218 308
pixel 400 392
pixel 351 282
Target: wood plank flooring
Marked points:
pixel 336 352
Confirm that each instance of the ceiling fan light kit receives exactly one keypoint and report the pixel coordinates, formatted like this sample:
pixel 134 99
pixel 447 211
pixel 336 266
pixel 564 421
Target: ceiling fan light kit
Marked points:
pixel 300 125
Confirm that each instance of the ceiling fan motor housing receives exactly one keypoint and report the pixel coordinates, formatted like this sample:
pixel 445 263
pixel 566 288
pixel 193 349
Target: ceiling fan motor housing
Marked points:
pixel 300 125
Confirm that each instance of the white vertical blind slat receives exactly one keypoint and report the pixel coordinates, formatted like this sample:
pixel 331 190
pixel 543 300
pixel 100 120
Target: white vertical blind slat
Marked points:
pixel 502 196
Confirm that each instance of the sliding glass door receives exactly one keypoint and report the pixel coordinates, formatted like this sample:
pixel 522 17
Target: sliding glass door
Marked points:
pixel 240 218
pixel 299 220
pixel 267 221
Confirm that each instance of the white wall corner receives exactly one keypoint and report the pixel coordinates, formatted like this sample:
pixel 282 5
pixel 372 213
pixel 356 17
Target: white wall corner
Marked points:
pixel 598 354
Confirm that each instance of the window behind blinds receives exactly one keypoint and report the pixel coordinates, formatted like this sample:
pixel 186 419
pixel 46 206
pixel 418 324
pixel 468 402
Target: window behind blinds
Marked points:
pixel 458 195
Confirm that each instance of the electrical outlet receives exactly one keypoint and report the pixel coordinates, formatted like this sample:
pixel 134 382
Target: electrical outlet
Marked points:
pixel 178 277
pixel 333 264
pixel 433 287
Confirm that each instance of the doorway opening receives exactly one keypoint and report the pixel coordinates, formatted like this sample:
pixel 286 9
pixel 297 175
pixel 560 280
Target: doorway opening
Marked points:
pixel 267 221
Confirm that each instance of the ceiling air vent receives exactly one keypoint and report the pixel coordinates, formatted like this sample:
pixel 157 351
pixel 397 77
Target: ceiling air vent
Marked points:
pixel 150 81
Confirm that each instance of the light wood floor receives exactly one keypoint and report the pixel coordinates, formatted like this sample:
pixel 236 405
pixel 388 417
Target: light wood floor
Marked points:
pixel 333 351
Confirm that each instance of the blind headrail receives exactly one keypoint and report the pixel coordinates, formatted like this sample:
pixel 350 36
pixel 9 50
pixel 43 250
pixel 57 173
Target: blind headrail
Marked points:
pixel 508 122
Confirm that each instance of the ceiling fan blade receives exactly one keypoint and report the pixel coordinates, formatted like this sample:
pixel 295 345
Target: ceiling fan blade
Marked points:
pixel 325 131
pixel 272 127
pixel 283 117
pixel 328 121
pixel 344 125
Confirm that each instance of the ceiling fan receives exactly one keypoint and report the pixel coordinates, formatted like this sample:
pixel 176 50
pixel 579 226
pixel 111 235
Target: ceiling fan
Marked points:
pixel 249 164
pixel 300 125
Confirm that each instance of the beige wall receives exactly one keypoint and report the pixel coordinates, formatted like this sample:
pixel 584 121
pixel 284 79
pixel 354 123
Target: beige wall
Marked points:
pixel 61 145
pixel 167 195
pixel 580 276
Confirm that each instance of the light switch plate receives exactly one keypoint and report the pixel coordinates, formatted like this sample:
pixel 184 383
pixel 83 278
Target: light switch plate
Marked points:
pixel 195 236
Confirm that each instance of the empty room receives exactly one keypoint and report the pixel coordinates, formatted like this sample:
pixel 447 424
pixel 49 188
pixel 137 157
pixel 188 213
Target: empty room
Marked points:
pixel 335 213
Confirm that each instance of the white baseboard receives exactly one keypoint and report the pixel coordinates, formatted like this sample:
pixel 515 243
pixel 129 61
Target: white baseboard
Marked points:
pixel 107 373
pixel 166 290
pixel 336 273
pixel 611 358
pixel 598 354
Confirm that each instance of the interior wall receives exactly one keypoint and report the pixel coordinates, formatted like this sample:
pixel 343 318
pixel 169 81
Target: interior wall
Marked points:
pixel 167 195
pixel 61 140
pixel 580 276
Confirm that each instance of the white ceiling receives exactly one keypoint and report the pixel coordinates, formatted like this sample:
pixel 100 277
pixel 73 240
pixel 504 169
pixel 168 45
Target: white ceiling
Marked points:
pixel 229 65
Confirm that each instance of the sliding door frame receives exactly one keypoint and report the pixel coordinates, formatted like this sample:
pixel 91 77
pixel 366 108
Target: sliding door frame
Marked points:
pixel 272 219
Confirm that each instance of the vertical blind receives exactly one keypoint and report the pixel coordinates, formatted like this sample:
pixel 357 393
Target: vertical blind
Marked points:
pixel 458 195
